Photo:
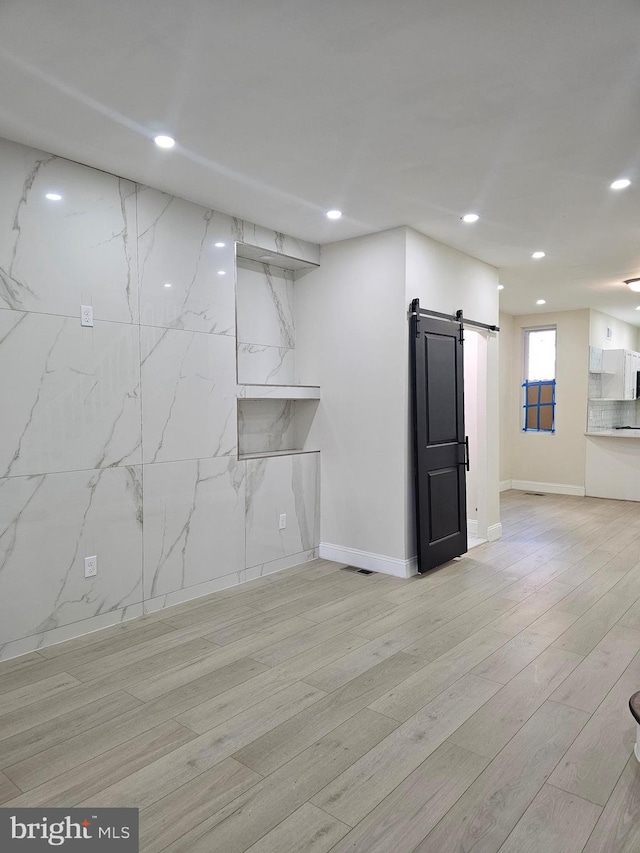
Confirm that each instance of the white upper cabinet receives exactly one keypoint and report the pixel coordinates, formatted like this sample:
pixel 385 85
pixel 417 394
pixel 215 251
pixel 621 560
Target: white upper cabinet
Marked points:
pixel 619 382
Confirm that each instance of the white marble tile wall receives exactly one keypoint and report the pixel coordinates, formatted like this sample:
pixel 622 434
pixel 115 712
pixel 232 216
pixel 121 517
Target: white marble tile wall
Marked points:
pixel 49 523
pixel 133 418
pixel 177 246
pixel 193 523
pixel 57 255
pixel 264 305
pixel 259 364
pixel 261 569
pixel 188 393
pixel 276 485
pixel 275 241
pixel 71 394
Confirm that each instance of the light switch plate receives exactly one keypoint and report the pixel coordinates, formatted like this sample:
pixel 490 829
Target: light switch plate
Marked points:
pixel 86 315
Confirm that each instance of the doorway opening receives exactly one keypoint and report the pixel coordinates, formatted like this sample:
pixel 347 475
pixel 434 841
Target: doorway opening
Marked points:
pixel 475 417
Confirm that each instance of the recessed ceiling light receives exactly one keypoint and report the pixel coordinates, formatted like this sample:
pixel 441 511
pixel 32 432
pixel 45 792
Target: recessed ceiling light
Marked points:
pixel 541 301
pixel 620 184
pixel 53 196
pixel 537 255
pixel 219 245
pixel 501 287
pixel 637 307
pixel 168 284
pixel 470 217
pixel 334 214
pixel 222 272
pixel 633 284
pixel 164 141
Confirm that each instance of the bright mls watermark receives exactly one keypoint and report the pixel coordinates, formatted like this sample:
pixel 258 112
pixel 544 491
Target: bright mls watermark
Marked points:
pixel 102 830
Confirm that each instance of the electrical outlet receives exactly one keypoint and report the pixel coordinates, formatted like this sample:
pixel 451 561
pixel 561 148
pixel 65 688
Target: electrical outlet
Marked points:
pixel 90 567
pixel 283 521
pixel 86 315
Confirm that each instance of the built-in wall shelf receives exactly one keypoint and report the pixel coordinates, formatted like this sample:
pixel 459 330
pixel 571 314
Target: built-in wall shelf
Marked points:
pixel 247 252
pixel 275 410
pixel 278 392
pixel 603 372
pixel 605 400
pixel 268 454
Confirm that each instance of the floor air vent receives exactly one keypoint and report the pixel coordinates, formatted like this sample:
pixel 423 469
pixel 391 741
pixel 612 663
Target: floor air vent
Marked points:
pixel 536 494
pixel 357 571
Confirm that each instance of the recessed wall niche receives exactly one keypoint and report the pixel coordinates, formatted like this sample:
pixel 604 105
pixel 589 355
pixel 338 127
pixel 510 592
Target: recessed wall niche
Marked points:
pixel 274 412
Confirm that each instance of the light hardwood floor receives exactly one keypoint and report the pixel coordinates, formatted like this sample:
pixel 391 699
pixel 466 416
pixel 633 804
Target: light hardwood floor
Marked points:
pixel 481 707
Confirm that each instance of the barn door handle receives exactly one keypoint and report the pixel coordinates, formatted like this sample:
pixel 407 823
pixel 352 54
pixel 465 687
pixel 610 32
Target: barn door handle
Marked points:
pixel 466 451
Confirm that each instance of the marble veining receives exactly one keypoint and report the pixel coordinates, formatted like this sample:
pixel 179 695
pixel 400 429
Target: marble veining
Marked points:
pixel 134 419
pixel 188 395
pixel 305 486
pixel 57 255
pixel 75 398
pixel 275 241
pixel 33 642
pixel 194 523
pixel 265 425
pixel 282 484
pixel 264 365
pixel 177 247
pixel 265 305
pixel 49 522
pixel 14 291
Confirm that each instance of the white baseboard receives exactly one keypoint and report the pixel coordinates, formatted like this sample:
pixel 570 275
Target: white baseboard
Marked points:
pixel 472 527
pixel 505 485
pixel 549 488
pixel 366 560
pixel 494 531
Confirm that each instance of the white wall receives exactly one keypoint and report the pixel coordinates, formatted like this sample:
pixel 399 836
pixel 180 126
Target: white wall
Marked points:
pixel 471 417
pixel 509 387
pixel 446 280
pixel 544 458
pixel 350 317
pixel 479 385
pixel 353 340
pixel 625 336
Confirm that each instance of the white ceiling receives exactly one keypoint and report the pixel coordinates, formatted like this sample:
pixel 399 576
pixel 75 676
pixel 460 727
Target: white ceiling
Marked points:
pixel 399 112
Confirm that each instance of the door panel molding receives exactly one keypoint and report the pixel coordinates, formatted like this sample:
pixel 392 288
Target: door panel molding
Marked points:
pixel 440 452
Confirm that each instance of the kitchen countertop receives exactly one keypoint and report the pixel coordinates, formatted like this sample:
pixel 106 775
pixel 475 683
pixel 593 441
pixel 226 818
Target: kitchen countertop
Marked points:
pixel 614 433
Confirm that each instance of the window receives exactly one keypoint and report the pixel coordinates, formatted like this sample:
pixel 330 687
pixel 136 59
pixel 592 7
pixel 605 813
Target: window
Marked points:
pixel 539 380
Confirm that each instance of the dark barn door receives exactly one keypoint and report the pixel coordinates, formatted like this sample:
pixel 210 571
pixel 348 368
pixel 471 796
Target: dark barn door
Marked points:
pixel 441 452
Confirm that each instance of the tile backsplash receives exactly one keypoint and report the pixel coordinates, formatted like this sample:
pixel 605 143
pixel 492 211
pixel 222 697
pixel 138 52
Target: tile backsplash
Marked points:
pixel 606 414
pixel 595 385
